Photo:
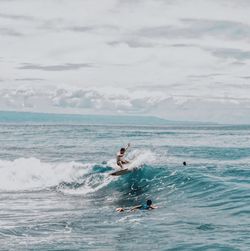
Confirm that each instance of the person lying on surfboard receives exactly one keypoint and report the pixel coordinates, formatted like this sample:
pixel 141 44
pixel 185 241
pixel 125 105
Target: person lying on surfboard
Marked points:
pixel 120 161
pixel 146 206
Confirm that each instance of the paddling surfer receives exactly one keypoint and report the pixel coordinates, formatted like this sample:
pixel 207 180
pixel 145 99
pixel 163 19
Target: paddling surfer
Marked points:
pixel 120 160
pixel 146 206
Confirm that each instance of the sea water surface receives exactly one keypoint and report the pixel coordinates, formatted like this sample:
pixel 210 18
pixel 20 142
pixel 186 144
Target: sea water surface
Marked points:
pixel 56 192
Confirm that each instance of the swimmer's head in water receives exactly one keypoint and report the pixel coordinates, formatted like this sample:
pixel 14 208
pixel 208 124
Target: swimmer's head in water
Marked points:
pixel 122 150
pixel 149 202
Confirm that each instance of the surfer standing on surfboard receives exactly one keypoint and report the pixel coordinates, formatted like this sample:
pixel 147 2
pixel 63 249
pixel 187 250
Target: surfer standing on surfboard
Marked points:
pixel 120 161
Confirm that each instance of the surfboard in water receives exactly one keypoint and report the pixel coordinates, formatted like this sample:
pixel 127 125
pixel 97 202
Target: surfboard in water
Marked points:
pixel 121 172
pixel 130 167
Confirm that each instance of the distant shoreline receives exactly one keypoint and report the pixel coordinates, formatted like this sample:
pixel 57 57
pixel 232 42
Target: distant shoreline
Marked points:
pixel 20 117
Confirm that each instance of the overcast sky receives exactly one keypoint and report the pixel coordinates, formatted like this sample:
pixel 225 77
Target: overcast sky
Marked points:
pixel 177 59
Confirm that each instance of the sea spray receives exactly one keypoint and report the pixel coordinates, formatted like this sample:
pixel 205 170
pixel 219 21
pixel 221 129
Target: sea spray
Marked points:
pixel 32 174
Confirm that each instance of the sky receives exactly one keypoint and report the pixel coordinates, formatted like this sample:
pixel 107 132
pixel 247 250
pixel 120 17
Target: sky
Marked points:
pixel 185 60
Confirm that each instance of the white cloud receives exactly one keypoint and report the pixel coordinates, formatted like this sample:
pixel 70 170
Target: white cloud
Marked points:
pixel 165 104
pixel 165 58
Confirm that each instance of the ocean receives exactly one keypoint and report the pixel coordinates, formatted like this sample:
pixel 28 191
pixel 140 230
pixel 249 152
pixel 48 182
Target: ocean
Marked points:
pixel 56 192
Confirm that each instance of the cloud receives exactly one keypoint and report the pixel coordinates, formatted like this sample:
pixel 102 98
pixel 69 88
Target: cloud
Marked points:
pixel 17 98
pixel 98 100
pixel 196 109
pixel 10 32
pixel 62 67
pixel 29 79
pixel 245 77
pixel 88 28
pixel 120 101
pixel 16 17
pixel 159 57
pixel 205 75
pixel 197 28
pixel 132 43
pixel 231 53
pixel 80 28
pixel 218 28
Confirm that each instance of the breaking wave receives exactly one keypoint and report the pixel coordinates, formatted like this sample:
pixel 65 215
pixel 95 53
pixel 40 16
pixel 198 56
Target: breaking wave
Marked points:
pixel 68 177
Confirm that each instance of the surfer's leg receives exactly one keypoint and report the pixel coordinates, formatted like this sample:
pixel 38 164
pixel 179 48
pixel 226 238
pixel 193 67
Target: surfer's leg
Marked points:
pixel 119 163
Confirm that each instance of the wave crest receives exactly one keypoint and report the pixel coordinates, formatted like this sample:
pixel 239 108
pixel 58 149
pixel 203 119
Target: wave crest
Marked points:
pixel 70 177
pixel 32 174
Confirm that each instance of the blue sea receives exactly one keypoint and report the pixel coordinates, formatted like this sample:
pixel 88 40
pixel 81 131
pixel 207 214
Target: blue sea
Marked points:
pixel 56 192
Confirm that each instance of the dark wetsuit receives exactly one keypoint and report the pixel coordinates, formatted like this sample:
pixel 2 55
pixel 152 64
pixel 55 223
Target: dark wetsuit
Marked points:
pixel 144 207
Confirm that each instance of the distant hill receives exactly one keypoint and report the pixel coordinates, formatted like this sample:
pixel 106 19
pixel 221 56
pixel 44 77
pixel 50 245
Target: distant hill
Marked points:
pixel 51 118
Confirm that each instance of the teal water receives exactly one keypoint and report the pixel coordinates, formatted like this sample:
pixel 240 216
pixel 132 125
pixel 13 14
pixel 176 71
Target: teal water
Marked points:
pixel 56 194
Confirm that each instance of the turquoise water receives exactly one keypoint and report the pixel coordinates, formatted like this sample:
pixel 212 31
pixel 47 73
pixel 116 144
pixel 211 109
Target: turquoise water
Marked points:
pixel 56 194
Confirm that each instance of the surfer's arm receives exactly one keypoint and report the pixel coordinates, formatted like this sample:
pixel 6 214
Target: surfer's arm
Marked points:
pixel 153 207
pixel 135 207
pixel 128 145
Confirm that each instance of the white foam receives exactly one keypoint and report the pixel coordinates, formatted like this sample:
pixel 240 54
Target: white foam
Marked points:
pixel 141 157
pixel 137 158
pixel 90 185
pixel 31 173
